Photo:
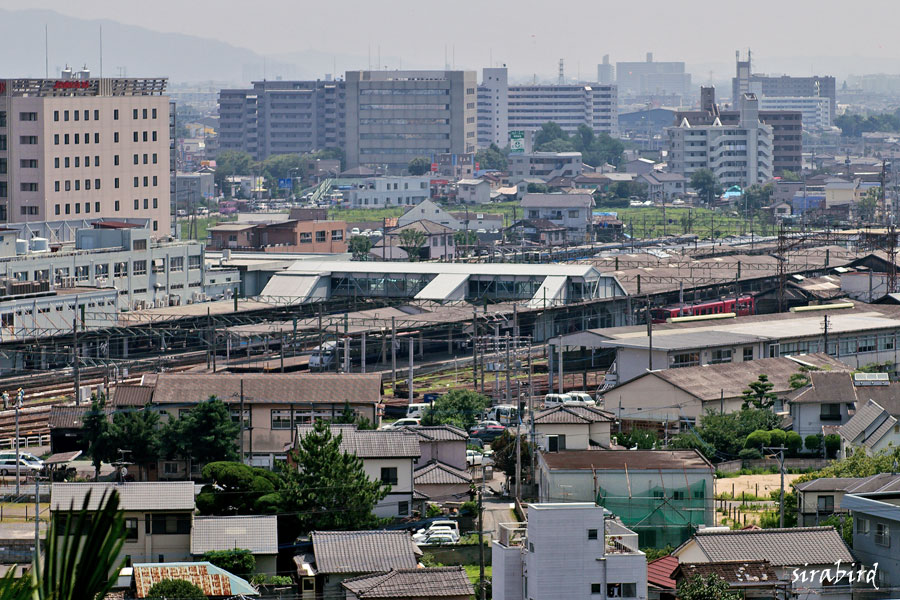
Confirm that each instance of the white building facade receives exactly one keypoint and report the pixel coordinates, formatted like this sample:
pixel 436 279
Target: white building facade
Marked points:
pixel 379 192
pixel 816 109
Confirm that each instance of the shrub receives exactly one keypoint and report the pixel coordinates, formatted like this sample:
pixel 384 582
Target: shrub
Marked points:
pixel 176 589
pixel 814 443
pixel 749 454
pixel 832 444
pixel 758 439
pixel 776 437
pixel 239 562
pixel 793 442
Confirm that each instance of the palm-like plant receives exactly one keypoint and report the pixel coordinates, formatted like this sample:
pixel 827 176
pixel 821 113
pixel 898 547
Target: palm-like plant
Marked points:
pixel 81 551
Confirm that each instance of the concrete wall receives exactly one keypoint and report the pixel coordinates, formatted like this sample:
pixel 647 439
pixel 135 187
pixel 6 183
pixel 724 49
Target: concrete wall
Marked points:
pixel 807 421
pixel 451 453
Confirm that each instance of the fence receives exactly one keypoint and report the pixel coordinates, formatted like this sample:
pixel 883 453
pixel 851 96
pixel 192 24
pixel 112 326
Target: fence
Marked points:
pixel 798 464
pixel 24 442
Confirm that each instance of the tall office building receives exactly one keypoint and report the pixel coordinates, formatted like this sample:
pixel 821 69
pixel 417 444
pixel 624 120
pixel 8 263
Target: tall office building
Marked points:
pixel 739 154
pixel 394 116
pixel 282 117
pixel 784 86
pixel 504 107
pixel 648 77
pixel 606 73
pixel 83 147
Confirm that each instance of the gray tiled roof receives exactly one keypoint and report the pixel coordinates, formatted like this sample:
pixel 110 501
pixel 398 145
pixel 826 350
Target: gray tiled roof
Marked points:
pixel 437 473
pixel 572 415
pixel 865 415
pixel 269 388
pixel 132 395
pixel 438 433
pixel 556 200
pixel 781 547
pixel 380 443
pixel 256 533
pixel 70 417
pixel 363 551
pixel 137 496
pixel 433 582
pixel 882 482
pixel 879 433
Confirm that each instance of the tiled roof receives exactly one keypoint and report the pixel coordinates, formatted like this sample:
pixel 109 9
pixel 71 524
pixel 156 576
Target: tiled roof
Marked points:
pixel 433 582
pixel 70 417
pixel 659 572
pixel 737 573
pixel 556 201
pixel 781 547
pixel 618 460
pixel 362 551
pixel 372 443
pixel 438 473
pixel 438 433
pixel 132 395
pixel 882 482
pixel 257 533
pixel 879 433
pixel 213 580
pixel 423 225
pixel 273 388
pixel 572 415
pixel 865 416
pixel 136 496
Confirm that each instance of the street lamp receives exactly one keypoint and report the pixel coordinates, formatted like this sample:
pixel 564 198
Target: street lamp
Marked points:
pixel 20 395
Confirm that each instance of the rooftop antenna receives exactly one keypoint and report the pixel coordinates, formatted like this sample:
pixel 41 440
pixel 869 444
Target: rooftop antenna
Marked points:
pixel 562 72
pixel 454 56
pixel 379 57
pixel 46 53
pixel 370 56
pixel 446 62
pixel 101 51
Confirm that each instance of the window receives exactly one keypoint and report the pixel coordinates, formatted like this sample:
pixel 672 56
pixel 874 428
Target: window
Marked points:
pixel 867 343
pixel 75 114
pixel 56 209
pixel 170 468
pixel 56 115
pixel 28 116
pixel 139 245
pixel 592 534
pixel 96 184
pixel 748 352
pixel 117 204
pixel 620 590
pixel 140 267
pixel 67 162
pixel 131 530
pixel 29 140
pixel 146 203
pixel 171 524
pixel 145 136
pixel 154 113
pixel 825 504
pixel 862 526
pixel 154 135
pixel 55 186
pixel 137 183
pixel 403 508
pixel 96 115
pixel 154 158
pixel 305 237
pixel 137 204
pixel 135 136
pixel 116 138
pixel 320 236
pixel 720 356
pixel 28 187
pixel 686 359
pixel 66 139
pixel 389 475
pixel 77 136
pixel 830 412
pixel 144 111
pixel 596 588
pixel 176 264
pixel 116 115
pixel 155 181
pixel 77 185
pixel 77 161
pixel 28 163
pixel 116 183
pixel 134 113
pixel 156 203
pixel 337 235
pixel 136 159
pixel 882 535
pixel 96 207
pixel 145 159
pixel 146 181
pixel 555 443
pixel 96 138
pixel 65 115
pixel 281 419
pixel 55 140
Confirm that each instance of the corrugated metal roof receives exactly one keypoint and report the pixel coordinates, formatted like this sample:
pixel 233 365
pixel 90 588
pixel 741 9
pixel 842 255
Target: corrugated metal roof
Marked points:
pixel 617 460
pixel 136 496
pixel 206 576
pixel 256 533
pixel 380 443
pixel 363 551
pixel 430 582
pixel 781 547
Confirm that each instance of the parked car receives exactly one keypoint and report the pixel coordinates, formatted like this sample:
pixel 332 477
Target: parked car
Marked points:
pixel 439 538
pixel 404 422
pixel 487 431
pixel 424 535
pixel 581 399
pixel 416 410
pixel 8 467
pixel 474 458
pixel 552 400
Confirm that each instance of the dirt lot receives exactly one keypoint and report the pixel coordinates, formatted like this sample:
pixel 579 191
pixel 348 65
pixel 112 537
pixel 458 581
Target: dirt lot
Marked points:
pixel 759 485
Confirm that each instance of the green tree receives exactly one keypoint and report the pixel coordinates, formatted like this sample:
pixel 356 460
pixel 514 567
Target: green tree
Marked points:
pixel 234 488
pixel 777 437
pixel 757 196
pixel 99 440
pixel 282 166
pixel 843 524
pixel 326 488
pixel 465 238
pixel 832 444
pixel 868 204
pixel 599 149
pixel 642 439
pixel 230 163
pixel 548 133
pixel 814 443
pixel 491 158
pixel 204 434
pixel 759 393
pixel 176 589
pixel 419 165
pixel 793 442
pixel 412 241
pixel 349 416
pixel 787 175
pixel 724 434
pixel 706 587
pixel 238 561
pixel 137 431
pixel 537 188
pixel 359 246
pixel 706 184
pixel 504 448
pixel 758 439
pixel 462 408
pixel 798 380
pixel 557 145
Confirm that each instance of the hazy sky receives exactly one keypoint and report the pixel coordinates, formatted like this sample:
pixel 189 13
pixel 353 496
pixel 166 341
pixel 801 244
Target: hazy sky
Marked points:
pixel 525 34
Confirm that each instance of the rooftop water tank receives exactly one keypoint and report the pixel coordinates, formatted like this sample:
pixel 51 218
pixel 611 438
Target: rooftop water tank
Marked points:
pixel 39 244
pixel 21 246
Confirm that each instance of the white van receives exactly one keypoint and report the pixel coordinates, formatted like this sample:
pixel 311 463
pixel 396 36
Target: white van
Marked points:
pixel 505 414
pixel 552 400
pixel 416 410
pixel 581 399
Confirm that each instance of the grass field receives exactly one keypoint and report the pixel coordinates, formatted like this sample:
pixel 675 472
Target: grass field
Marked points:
pixel 474 571
pixel 203 225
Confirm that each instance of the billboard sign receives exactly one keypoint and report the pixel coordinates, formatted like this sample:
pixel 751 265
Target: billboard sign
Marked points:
pixel 517 141
pixel 286 183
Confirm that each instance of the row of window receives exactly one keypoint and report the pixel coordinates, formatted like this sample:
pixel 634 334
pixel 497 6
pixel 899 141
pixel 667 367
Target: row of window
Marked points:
pixel 67 207
pixel 882 532
pixel 75 114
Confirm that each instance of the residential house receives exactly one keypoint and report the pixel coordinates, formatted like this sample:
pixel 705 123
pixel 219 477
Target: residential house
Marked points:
pixel 341 555
pixel 803 548
pixel 256 533
pixel 573 211
pixel 544 165
pixel 663 187
pixel 473 221
pixel 872 428
pixel 572 428
pixel 827 401
pixel 663 495
pixel 381 192
pixel 320 237
pixel 428 210
pixel 158 515
pixel 388 456
pixel 439 243
pixel 752 579
pixel 441 443
pixel 445 583
pixel 876 533
pixel 673 396
pixel 639 166
pixel 274 404
pixel 538 231
pixel 439 482
pixel 823 497
pixel 213 581
pixel 571 550
pixel 473 191
pixel 661 584
pixel 65 423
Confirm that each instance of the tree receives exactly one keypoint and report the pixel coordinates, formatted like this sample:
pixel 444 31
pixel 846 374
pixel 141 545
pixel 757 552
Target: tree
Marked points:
pixel 548 133
pixel 101 444
pixel 758 394
pixel 326 488
pixel 832 445
pixel 725 434
pixel 843 524
pixel 793 442
pixel 798 380
pixel 231 163
pixel 504 448
pixel 412 241
pixel 359 246
pixel 557 145
pixel 868 204
pixel 814 443
pixel 203 434
pixel 777 437
pixel 787 175
pixel 537 188
pixel 757 196
pixel 282 166
pixel 176 589
pixel 137 432
pixel 706 587
pixel 419 165
pixel 238 561
pixel 491 158
pixel 462 408
pixel 235 489
pixel 642 439
pixel 465 238
pixel 706 184
pixel 758 439
pixel 349 416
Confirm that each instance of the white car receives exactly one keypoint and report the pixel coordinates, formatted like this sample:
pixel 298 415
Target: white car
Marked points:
pixel 581 399
pixel 404 422
pixel 8 467
pixel 439 538
pixel 474 458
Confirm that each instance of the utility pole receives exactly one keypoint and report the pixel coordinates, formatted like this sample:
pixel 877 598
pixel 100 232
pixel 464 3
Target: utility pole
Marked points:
pixel 242 419
pixel 780 450
pixel 649 336
pixel 825 325
pixel 474 348
pixel 37 515
pixel 75 361
pixel 20 395
pixel 481 594
pixel 508 391
pixel 412 342
pixel 394 355
pixel 519 456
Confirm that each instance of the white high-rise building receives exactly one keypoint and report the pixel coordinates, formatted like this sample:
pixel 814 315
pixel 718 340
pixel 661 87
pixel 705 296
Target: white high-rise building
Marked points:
pixel 816 109
pixel 740 154
pixel 493 107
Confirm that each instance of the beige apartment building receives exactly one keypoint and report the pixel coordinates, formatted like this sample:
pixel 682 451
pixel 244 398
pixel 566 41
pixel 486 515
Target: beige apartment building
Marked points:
pixel 82 147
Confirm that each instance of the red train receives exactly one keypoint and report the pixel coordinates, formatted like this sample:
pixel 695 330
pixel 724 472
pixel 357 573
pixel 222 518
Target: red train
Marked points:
pixel 742 306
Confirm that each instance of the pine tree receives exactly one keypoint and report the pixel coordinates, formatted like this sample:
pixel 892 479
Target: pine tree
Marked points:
pixel 204 434
pixel 759 393
pixel 99 440
pixel 326 488
pixel 137 431
pixel 709 587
